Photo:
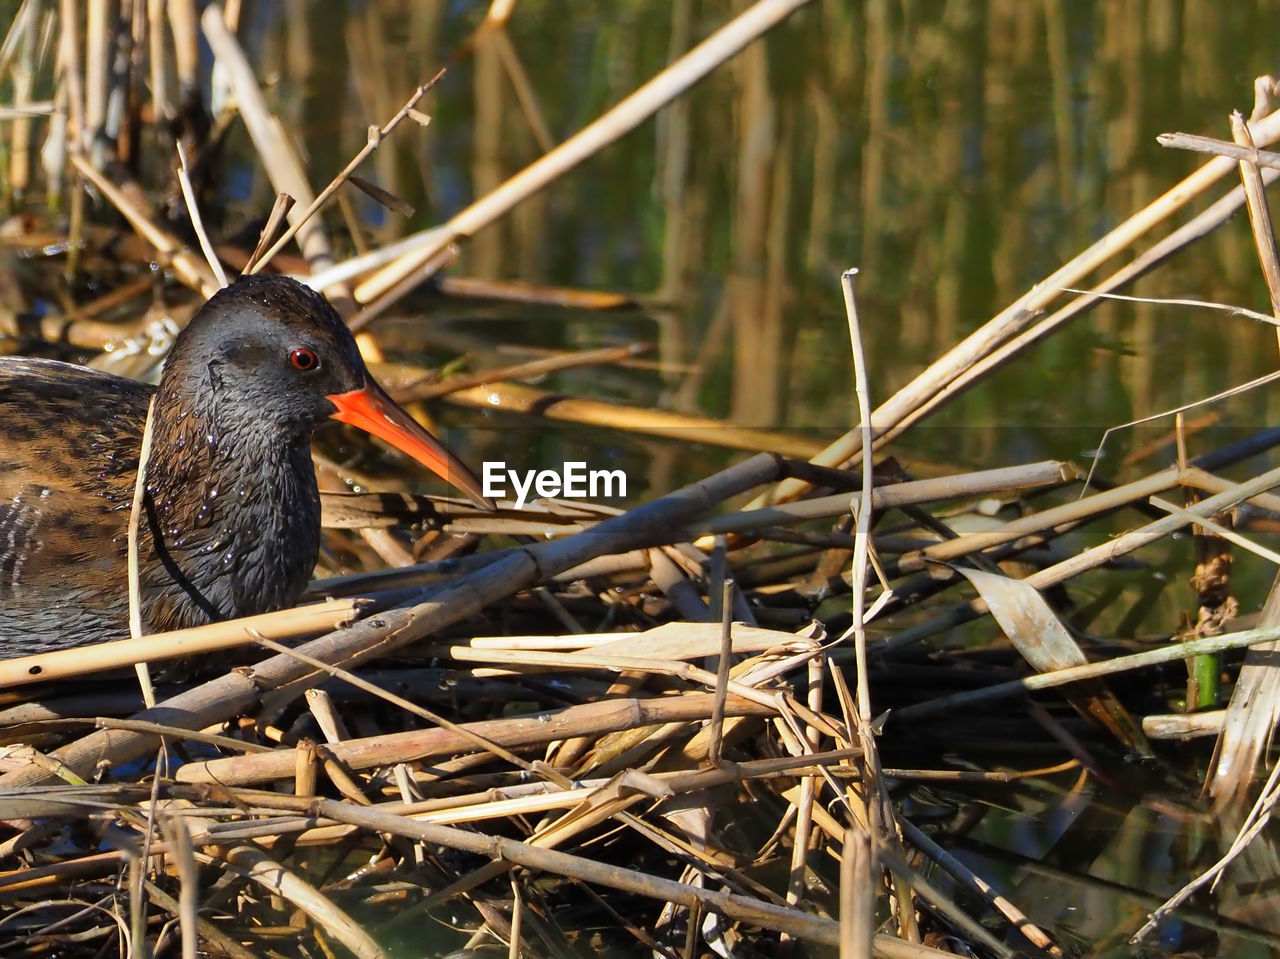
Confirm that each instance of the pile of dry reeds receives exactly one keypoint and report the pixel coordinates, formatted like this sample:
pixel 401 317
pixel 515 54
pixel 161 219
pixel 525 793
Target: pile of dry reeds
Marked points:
pixel 563 728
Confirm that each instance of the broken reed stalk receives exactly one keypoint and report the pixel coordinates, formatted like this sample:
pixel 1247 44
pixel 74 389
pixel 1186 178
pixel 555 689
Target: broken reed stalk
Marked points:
pixel 374 140
pixel 179 839
pixel 1264 237
pixel 1225 148
pixel 279 210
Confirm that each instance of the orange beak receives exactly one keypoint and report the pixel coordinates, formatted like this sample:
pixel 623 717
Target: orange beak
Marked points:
pixel 373 411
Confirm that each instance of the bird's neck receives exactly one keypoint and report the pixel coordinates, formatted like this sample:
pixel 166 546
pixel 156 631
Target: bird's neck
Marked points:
pixel 233 514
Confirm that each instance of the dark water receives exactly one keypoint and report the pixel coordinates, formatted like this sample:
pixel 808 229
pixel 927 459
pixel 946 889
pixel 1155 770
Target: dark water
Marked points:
pixel 956 153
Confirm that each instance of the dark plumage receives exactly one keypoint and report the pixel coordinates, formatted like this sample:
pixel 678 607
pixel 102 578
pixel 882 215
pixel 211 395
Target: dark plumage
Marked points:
pixel 232 513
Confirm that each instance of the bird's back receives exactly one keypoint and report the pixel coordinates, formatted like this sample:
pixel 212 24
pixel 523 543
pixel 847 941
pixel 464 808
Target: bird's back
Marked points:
pixel 70 439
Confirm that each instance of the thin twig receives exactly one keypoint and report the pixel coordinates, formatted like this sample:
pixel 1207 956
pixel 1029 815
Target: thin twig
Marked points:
pixel 722 672
pixel 135 588
pixel 862 516
pixel 197 222
pixel 376 135
pixel 279 210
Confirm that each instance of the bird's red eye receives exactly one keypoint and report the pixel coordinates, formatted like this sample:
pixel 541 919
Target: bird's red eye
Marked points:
pixel 304 360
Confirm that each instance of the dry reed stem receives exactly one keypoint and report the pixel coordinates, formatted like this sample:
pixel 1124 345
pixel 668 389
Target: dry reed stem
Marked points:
pixel 176 732
pixel 857 898
pixel 99 657
pixel 1251 716
pixel 529 401
pixel 1217 529
pixel 1264 237
pixel 517 919
pixel 135 517
pixel 526 96
pixel 254 864
pixel 542 294
pixel 1198 227
pixel 894 495
pixel 374 140
pixel 797 885
pixel 1183 726
pixel 211 933
pixel 182 21
pixel 189 269
pixel 321 706
pixel 96 70
pixel 862 511
pixel 1075 674
pixel 929 894
pixel 22 34
pixel 180 849
pixel 197 221
pixel 279 210
pixel 283 813
pixel 977 885
pixel 1095 556
pixel 1056 518
pixel 162 108
pixel 640 664
pixel 371 311
pixel 1196 478
pixel 509 734
pixel 1225 148
pixel 1259 816
pixel 303 830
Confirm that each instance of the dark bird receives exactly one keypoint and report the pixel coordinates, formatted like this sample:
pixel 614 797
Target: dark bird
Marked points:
pixel 230 522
